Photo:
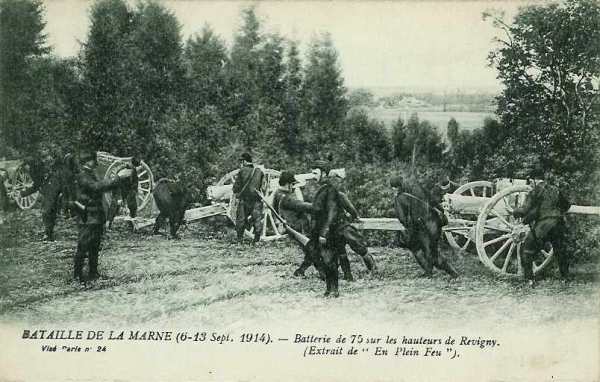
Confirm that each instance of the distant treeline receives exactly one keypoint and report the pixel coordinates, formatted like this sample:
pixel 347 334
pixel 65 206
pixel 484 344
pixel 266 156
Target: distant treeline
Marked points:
pixel 451 101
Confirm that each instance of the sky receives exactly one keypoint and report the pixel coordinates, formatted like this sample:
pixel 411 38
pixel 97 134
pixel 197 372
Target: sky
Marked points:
pixel 440 45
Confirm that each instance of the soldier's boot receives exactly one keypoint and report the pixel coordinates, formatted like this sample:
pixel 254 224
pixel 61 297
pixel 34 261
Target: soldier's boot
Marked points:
pixel 257 237
pixel 345 263
pixel 369 262
pixel 334 285
pixel 303 267
pixel 93 261
pixel 423 262
pixel 444 265
pixel 527 265
pixel 563 265
pixel 78 267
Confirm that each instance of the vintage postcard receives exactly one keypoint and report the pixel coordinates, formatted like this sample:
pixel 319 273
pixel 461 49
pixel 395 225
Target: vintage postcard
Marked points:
pixel 299 190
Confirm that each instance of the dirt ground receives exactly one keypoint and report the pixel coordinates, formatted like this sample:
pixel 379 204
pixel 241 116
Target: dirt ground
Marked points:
pixel 207 280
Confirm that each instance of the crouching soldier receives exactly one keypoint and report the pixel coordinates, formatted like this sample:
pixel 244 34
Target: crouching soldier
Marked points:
pixel 171 200
pixel 329 221
pixel 52 176
pixel 90 189
pixel 544 211
pixel 247 182
pixel 423 225
pixel 295 212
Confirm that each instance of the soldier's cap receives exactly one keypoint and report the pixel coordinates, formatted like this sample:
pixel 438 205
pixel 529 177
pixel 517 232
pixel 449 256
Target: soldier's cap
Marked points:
pixel 88 155
pixel 287 177
pixel 396 181
pixel 322 165
pixel 246 157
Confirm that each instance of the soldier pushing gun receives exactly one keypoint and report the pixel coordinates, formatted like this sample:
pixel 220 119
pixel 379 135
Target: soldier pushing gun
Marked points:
pixel 544 211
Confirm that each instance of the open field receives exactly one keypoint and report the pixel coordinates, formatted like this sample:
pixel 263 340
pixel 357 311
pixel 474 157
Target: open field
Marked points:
pixel 205 283
pixel 206 279
pixel 466 120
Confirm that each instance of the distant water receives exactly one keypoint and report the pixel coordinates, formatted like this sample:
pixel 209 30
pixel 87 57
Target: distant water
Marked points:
pixel 466 120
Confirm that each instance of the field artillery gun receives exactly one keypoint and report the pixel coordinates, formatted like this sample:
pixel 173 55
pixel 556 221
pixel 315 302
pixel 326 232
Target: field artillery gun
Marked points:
pixel 224 203
pixel 16 177
pixel 480 215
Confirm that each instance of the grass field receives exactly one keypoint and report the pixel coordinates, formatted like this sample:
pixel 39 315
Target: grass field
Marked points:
pixel 205 278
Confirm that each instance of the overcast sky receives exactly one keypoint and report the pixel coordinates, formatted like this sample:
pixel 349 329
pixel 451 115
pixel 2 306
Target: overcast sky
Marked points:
pixel 428 45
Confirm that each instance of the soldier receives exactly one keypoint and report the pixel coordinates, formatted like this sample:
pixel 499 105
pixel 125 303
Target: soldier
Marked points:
pixel 295 213
pixel 52 176
pixel 544 211
pixel 129 190
pixel 247 182
pixel 329 221
pixel 90 189
pixel 423 225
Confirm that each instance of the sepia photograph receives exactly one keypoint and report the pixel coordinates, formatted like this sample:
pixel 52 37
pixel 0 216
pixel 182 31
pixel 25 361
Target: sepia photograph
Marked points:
pixel 299 190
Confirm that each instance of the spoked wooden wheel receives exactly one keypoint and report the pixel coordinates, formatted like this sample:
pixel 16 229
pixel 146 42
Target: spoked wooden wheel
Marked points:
pixel 460 233
pixel 145 179
pixel 271 228
pixel 21 181
pixel 499 236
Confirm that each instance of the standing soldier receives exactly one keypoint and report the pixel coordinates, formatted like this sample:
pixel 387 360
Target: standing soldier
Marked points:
pixel 90 190
pixel 247 182
pixel 329 222
pixel 130 189
pixel 544 211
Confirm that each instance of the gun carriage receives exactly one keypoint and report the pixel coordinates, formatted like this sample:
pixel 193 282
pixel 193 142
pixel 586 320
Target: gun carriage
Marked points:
pixel 480 216
pixel 17 178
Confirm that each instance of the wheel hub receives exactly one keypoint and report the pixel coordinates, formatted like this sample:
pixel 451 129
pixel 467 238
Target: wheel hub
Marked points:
pixel 519 233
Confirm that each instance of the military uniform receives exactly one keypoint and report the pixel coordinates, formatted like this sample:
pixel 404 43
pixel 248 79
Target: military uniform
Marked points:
pixel 329 221
pixel 130 189
pixel 422 225
pixel 90 189
pixel 247 182
pixel 51 177
pixel 544 210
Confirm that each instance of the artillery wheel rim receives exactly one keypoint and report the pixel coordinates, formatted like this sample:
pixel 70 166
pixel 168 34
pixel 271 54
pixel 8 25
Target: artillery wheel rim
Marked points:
pixel 20 181
pixel 464 239
pixel 271 228
pixel 499 236
pixel 145 180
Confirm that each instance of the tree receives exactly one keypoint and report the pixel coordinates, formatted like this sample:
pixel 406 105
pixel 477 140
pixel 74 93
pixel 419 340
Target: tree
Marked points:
pixel 293 86
pixel 549 63
pixel 361 97
pixel 398 137
pixel 205 58
pixel 324 103
pixel 243 73
pixel 21 42
pixel 452 131
pixel 133 75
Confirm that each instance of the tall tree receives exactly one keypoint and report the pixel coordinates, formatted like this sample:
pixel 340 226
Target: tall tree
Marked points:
pixel 205 58
pixel 132 72
pixel 293 87
pixel 549 63
pixel 21 41
pixel 243 73
pixel 324 105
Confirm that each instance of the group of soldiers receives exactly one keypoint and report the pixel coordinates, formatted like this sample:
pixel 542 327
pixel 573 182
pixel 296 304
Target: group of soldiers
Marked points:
pixel 65 181
pixel 327 220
